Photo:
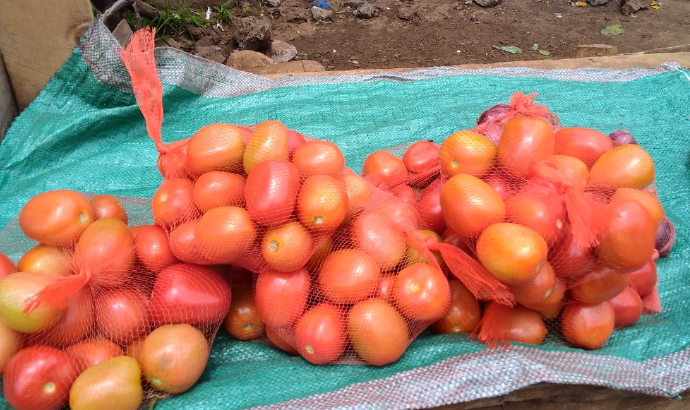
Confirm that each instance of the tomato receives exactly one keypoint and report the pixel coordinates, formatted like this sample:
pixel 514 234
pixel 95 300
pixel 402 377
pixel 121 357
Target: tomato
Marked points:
pixel 627 308
pixel 215 189
pixel 375 236
pixel 287 247
pixel 378 333
pixel 271 192
pixel 626 242
pixel 10 343
pixel 400 213
pixel 173 203
pixel 324 247
pixel 467 152
pixel 551 306
pixel 320 334
pixel 421 292
pixel 270 140
pixel 572 170
pixel 421 156
pixel 469 205
pixel 215 147
pixel 644 280
pixel 45 259
pixel 281 297
pixel 295 139
pixel 358 194
pixel 106 248
pixel 599 285
pixel 502 184
pixel 384 169
pixel 173 357
pixel 348 276
pixel 318 158
pixel 406 194
pixel 649 201
pixel 112 384
pixel 16 290
pixel 122 315
pixel 524 141
pixel 512 253
pixel 569 260
pixel 545 214
pixel 75 324
pixel 414 255
pixel 322 203
pixel 188 294
pixel 243 321
pixel 133 349
pixel 464 313
pixel 107 206
pixel 385 288
pixel 585 144
pixel 525 326
pixel 173 164
pixel 6 266
pixel 152 248
pixel 429 208
pixel 224 234
pixel 93 351
pixel 625 166
pixel 183 243
pixel 588 326
pixel 536 291
pixel 38 378
pixel 56 217
pixel 279 342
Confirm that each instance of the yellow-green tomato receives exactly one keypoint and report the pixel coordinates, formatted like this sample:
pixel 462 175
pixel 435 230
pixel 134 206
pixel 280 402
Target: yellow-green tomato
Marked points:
pixel 114 384
pixel 16 290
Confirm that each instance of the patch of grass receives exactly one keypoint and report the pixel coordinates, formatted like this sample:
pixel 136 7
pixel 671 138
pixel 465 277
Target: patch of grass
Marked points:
pixel 172 21
pixel 223 12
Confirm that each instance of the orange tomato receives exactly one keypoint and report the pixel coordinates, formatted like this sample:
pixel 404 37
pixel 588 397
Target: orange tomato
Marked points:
pixel 115 383
pixel 525 140
pixel 133 349
pixel 46 259
pixel 467 152
pixel 173 203
pixel 348 276
pixel 599 285
pixel 625 166
pixel 384 169
pixel 464 313
pixel 215 147
pixel 279 341
pixel 656 211
pixel 93 351
pixel 551 307
pixel 572 170
pixel 421 292
pixel 502 184
pixel 378 238
pixel 588 326
pixel 421 156
pixel 107 206
pixel 183 243
pixel 107 249
pixel 56 217
pixel 322 250
pixel 322 204
pixel 318 157
pixel 270 140
pixel 406 194
pixel 378 333
pixel 224 234
pixel 215 189
pixel 281 297
pixel 585 144
pixel 271 192
pixel 385 288
pixel 469 205
pixel 545 214
pixel 243 321
pixel 627 308
pixel 626 242
pixel 122 315
pixel 644 280
pixel 536 291
pixel 287 247
pixel 320 334
pixel 525 326
pixel 512 253
pixel 401 214
pixel 358 194
pixel 75 324
pixel 152 248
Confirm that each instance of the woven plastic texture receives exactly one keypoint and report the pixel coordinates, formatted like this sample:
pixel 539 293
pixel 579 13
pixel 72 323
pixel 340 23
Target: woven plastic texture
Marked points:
pixel 85 132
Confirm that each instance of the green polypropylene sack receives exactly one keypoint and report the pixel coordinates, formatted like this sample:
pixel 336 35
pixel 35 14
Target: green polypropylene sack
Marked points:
pixel 85 132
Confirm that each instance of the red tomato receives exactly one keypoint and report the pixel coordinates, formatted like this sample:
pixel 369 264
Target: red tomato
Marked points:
pixel 464 313
pixel 400 213
pixel 384 169
pixel 325 246
pixel 271 191
pixel 107 206
pixel 243 321
pixel 525 326
pixel 358 194
pixel 173 203
pixel 536 291
pixel 588 326
pixel 625 166
pixel 524 141
pixel 551 307
pixel 646 199
pixel 320 334
pixel 385 288
pixel 270 140
pixel 106 248
pixel 281 297
pixel 287 247
pixel 322 203
pixel 56 217
pixel 585 144
pixel 224 234
pixel 569 260
pixel 429 208
pixel 122 315
pixel 627 308
pixel 39 378
pixel 375 236
pixel 152 248
pixel 467 152
pixel 6 266
pixel 318 157
pixel 378 333
pixel 502 184
pixel 644 279
pixel 405 193
pixel 626 242
pixel 215 189
pixel 93 351
pixel 422 293
pixel 545 214
pixel 599 285
pixel 76 323
pixel 45 259
pixel 421 156
pixel 572 170
pixel 279 341
pixel 173 164
pixel 188 294
pixel 348 276
pixel 469 205
pixel 183 244
pixel 215 147
pixel 295 139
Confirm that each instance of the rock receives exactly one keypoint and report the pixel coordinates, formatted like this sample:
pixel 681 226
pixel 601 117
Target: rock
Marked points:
pixel 246 59
pixel 295 15
pixel 273 3
pixel 356 3
pixel 595 50
pixel 320 14
pixel 251 33
pixel 365 11
pixel 596 3
pixel 407 13
pixel 195 31
pixel 488 3
pixel 631 6
pixel 282 52
pixel 213 53
pixel 301 66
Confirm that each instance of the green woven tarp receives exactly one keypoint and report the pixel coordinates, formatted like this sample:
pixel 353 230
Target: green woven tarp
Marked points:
pixel 85 132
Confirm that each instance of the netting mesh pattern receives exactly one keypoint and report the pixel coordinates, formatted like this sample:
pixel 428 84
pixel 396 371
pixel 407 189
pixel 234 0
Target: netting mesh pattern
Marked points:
pixel 84 134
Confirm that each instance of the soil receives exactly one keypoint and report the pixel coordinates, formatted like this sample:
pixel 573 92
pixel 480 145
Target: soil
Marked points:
pixel 453 32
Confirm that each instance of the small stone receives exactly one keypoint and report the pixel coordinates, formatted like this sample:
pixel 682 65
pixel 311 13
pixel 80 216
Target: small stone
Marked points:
pixel 213 53
pixel 245 59
pixel 356 3
pixel 596 3
pixel 488 3
pixel 251 33
pixel 595 50
pixel 282 52
pixel 365 11
pixel 296 15
pixel 631 6
pixel 407 13
pixel 273 3
pixel 320 14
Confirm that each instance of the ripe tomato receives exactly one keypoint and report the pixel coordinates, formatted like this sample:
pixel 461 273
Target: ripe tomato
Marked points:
pixel 469 205
pixel 320 334
pixel 656 211
pixel 627 308
pixel 406 194
pixel 215 189
pixel 279 341
pixel 421 156
pixel 271 191
pixel 599 285
pixel 183 243
pixel 644 279
pixel 525 326
pixel 93 351
pixel 585 144
pixel 75 324
pixel 551 307
pixel 173 164
pixel 625 166
pixel 464 313
pixel 318 157
pixel 6 266
pixel 512 253
pixel 572 170
pixel 429 208
pixel 56 217
pixel 384 169
pixel 188 294
pixel 173 357
pixel 107 249
pixel 38 378
pixel 224 234
pixel 358 194
pixel 626 242
pixel 122 315
pixel 545 214
pixel 133 349
pixel 16 290
pixel 588 326
pixel 569 260
pixel 173 203
pixel 295 139
pixel 215 147
pixel 374 235
pixel 525 140
pixel 502 184
pixel 348 276
pixel 378 333
pixel 322 203
pixel 467 152
pixel 536 291
pixel 413 255
pixel 45 259
pixel 10 343
pixel 324 247
pixel 114 382
pixel 287 247
pixel 385 288
pixel 152 248
pixel 243 321
pixel 107 206
pixel 400 213
pixel 421 292
pixel 270 140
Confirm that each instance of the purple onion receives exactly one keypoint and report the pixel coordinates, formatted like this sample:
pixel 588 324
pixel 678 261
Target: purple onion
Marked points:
pixel 621 137
pixel 495 111
pixel 665 237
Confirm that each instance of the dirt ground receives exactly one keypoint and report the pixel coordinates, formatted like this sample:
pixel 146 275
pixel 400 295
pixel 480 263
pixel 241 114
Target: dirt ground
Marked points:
pixel 451 32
